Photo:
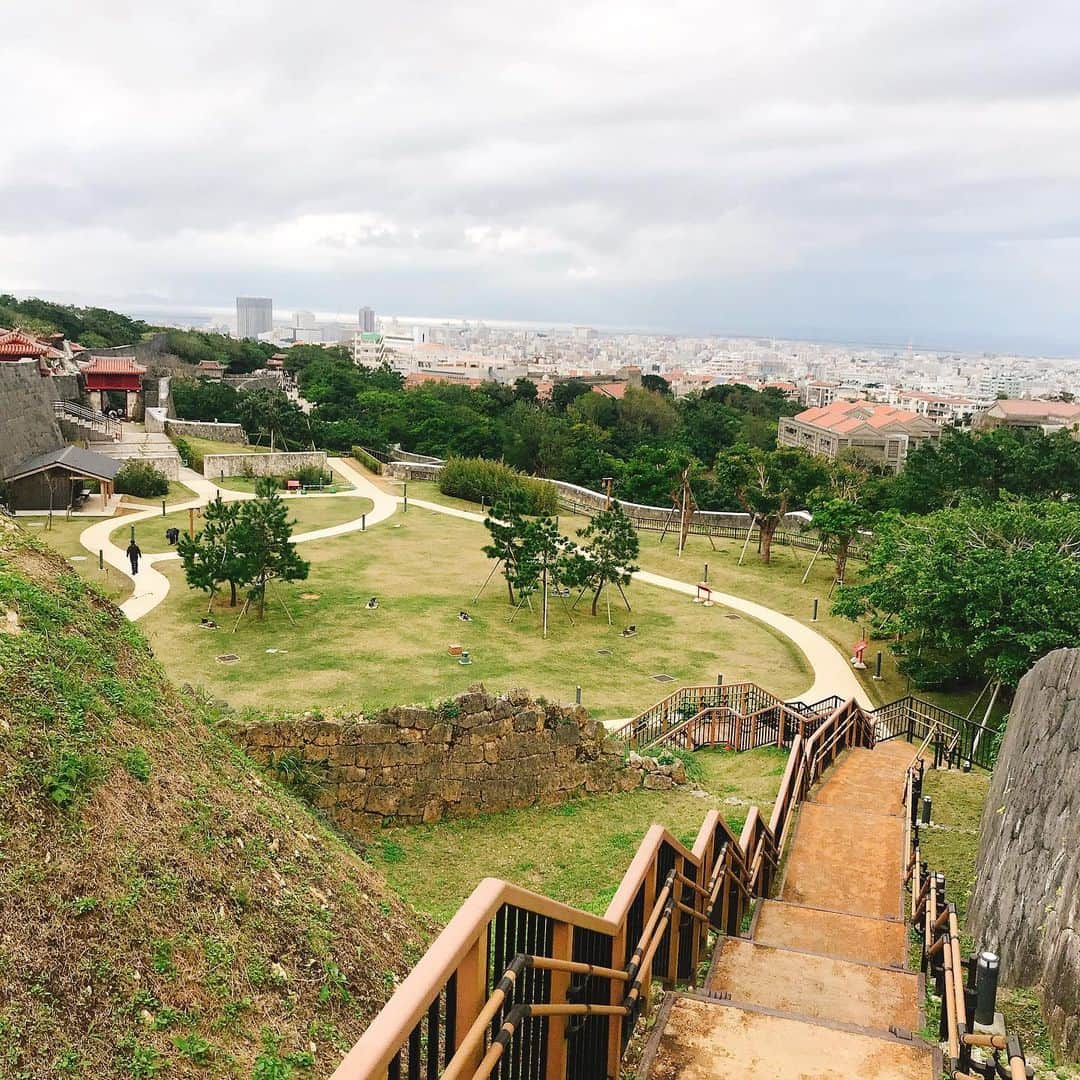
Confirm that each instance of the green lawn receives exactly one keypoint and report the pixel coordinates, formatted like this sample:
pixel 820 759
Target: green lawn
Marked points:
pixel 177 493
pixel 576 852
pixel 309 513
pixel 425 568
pixel 201 447
pixel 63 538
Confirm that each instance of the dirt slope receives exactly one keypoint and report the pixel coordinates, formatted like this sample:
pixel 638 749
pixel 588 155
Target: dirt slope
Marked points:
pixel 165 909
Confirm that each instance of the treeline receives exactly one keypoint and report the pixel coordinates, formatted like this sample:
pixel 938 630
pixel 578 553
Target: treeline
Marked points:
pixel 240 357
pixel 94 327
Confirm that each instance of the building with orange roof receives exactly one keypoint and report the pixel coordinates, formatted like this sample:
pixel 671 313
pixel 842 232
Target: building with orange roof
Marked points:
pixel 882 432
pixel 1050 416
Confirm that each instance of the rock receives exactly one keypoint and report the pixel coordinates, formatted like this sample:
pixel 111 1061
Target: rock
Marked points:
pixel 1026 901
pixel 658 782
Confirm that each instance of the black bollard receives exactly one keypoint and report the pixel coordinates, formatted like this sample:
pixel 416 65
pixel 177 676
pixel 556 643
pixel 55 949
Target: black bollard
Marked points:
pixel 577 696
pixel 986 985
pixel 877 668
pixel 363 522
pixel 926 804
pixel 101 560
pixel 706 577
pixel 162 507
pixel 814 616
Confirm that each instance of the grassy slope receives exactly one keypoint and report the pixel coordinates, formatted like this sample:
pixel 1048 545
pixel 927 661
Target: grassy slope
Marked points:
pixel 576 852
pixel 178 906
pixel 425 567
pixel 63 538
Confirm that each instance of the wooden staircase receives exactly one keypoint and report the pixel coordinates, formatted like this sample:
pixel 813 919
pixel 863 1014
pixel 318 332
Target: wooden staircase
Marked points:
pixel 821 987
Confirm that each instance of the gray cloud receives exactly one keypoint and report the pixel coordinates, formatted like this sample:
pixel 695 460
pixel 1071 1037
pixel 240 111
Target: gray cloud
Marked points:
pixel 868 166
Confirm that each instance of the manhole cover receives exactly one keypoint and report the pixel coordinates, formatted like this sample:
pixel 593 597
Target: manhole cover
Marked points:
pixel 309 596
pixel 662 678
pixel 227 658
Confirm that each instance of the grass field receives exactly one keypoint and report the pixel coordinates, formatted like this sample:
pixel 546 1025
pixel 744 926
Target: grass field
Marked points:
pixel 778 585
pixel 309 513
pixel 576 852
pixel 63 538
pixel 201 447
pixel 425 568
pixel 177 493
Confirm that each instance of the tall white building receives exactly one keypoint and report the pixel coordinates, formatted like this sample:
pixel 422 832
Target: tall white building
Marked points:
pixel 367 320
pixel 254 316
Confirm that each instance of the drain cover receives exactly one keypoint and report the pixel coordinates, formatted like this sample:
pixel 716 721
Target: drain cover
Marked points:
pixel 227 658
pixel 662 678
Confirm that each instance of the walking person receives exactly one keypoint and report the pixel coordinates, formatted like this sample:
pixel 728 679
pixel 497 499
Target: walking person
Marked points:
pixel 134 554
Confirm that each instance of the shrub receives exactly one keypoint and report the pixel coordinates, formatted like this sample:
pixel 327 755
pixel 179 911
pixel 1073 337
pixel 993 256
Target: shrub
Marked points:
pixel 188 454
pixel 478 479
pixel 141 479
pixel 313 476
pixel 365 459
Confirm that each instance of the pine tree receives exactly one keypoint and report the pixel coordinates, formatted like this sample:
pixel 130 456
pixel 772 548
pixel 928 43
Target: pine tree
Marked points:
pixel 611 546
pixel 211 556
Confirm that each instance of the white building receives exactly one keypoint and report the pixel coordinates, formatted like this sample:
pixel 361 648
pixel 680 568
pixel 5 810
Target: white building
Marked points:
pixel 254 316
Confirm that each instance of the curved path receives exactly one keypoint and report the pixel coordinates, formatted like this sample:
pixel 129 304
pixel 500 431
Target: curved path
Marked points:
pixel 832 673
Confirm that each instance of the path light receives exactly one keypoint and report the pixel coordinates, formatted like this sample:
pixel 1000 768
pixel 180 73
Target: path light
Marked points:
pixel 986 984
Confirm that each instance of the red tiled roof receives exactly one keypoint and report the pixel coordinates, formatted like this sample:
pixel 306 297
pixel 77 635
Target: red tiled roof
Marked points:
pixel 113 365
pixel 615 390
pixel 1027 407
pixel 19 344
pixel 845 416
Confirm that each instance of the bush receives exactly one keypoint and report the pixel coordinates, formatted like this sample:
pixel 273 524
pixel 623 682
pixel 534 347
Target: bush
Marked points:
pixel 188 454
pixel 365 459
pixel 141 479
pixel 478 479
pixel 313 476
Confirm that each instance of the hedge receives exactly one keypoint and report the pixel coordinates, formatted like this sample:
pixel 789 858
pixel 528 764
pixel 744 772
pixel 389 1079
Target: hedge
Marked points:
pixel 141 479
pixel 365 459
pixel 492 482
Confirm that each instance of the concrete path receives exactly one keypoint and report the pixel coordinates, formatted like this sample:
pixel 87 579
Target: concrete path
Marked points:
pixel 832 673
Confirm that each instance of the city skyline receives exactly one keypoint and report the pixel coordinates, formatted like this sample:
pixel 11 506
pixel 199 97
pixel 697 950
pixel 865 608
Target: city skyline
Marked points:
pixel 885 174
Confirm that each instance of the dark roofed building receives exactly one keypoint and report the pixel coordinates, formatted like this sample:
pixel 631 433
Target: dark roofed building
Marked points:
pixel 54 480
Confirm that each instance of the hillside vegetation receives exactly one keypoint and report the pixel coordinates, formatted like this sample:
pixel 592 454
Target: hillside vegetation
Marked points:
pixel 166 909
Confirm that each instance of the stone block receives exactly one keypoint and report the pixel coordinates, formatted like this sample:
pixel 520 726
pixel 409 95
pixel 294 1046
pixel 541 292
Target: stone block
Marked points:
pixel 658 782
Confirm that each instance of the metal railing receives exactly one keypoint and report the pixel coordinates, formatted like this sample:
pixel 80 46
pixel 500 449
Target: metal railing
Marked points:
pixel 88 417
pixel 934 919
pixel 956 740
pixel 518 985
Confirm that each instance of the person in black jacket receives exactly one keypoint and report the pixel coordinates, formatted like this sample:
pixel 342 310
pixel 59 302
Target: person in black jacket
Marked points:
pixel 134 554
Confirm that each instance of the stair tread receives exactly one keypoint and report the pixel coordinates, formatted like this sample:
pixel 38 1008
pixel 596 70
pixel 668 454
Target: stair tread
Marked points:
pixel 831 933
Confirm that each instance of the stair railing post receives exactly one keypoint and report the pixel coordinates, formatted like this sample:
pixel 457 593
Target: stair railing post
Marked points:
pixel 562 948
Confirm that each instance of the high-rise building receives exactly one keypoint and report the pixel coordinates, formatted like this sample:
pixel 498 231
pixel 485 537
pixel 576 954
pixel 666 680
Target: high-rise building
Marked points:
pixel 367 320
pixel 304 320
pixel 254 316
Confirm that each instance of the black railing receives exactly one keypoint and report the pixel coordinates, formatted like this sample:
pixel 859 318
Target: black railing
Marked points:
pixel 431 1042
pixel 955 740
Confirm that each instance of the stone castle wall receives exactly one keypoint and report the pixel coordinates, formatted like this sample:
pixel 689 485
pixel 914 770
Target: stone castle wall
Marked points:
pixel 206 429
pixel 1026 903
pixel 27 421
pixel 275 464
pixel 476 754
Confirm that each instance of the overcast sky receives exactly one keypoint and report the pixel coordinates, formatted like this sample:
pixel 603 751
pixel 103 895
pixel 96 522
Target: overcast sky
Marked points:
pixel 846 169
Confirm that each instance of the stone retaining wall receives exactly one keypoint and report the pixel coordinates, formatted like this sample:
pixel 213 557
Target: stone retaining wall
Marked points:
pixel 478 753
pixel 27 421
pixel 411 470
pixel 206 429
pixel 281 463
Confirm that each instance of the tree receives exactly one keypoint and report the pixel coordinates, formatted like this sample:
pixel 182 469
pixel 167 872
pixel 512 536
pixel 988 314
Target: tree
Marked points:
pixel 525 390
pixel 211 557
pixel 267 411
pixel 545 557
pixel 657 384
pixel 973 591
pixel 609 553
pixel 769 483
pixel 507 531
pixel 846 504
pixel 263 534
pixel 563 393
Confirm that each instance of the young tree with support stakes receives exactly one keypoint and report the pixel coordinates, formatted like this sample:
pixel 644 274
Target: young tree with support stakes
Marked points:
pixel 263 533
pixel 608 554
pixel 211 558
pixel 846 505
pixel 507 530
pixel 545 558
pixel 768 484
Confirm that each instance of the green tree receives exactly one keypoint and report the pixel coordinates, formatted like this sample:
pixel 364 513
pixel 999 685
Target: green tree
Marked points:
pixel 973 591
pixel 211 557
pixel 768 484
pixel 263 534
pixel 267 412
pixel 545 558
pixel 846 504
pixel 563 393
pixel 609 553
pixel 506 528
pixel 525 390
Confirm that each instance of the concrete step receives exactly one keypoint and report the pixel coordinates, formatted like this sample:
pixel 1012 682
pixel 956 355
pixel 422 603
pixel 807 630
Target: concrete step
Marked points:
pixel 829 933
pixel 846 860
pixel 816 987
pixel 697 1039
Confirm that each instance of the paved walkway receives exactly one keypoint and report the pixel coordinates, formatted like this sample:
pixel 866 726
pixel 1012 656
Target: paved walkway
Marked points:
pixel 832 673
pixel 820 988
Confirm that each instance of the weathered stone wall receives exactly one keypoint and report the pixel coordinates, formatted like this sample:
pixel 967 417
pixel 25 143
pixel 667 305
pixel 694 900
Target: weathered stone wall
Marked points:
pixel 411 470
pixel 27 422
pixel 1026 903
pixel 477 754
pixel 206 429
pixel 275 464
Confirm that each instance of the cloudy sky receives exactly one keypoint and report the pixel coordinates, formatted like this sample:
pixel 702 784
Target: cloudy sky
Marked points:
pixel 849 169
